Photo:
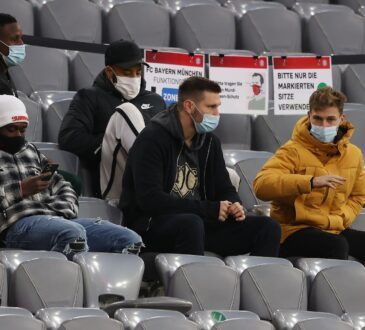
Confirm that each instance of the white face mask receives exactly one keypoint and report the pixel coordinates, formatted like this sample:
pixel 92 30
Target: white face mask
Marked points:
pixel 128 87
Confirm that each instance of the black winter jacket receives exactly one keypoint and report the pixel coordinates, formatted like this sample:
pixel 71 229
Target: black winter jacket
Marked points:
pixel 151 170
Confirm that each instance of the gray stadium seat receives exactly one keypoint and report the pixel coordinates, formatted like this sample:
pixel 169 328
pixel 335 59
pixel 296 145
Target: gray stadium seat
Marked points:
pixel 34 130
pixel 207 319
pixel 174 6
pixel 124 22
pixel 53 317
pixel 359 223
pixel 307 9
pixel 239 7
pixel 291 3
pixel 77 20
pixel 168 263
pixel 159 323
pixel 31 76
pixel 14 311
pixel 47 98
pixel 204 26
pixel 323 324
pixel 219 51
pixel 3 286
pixel 238 324
pixel 287 319
pixel 218 290
pixel 234 131
pixel 326 37
pixel 107 5
pixel 41 283
pixel 67 161
pixel 241 263
pixel 46 145
pixel 266 288
pixel 354 4
pixel 84 68
pixel 20 322
pixel 53 118
pixel 232 157
pixel 361 11
pixel 114 274
pixel 269 30
pixel 357 320
pixel 247 170
pixel 353 83
pixel 23 12
pixel 91 323
pixel 338 290
pixel 130 317
pixel 99 208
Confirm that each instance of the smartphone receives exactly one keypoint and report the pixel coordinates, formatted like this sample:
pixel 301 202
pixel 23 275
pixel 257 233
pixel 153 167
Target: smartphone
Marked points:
pixel 49 168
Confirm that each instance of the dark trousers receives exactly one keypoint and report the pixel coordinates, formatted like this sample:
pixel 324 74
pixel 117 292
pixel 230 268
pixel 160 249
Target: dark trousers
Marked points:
pixel 189 234
pixel 315 243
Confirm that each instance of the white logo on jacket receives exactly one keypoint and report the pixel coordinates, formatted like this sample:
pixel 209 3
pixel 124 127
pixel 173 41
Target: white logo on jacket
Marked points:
pixel 146 106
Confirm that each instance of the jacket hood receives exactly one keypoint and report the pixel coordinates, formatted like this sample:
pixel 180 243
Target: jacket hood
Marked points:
pixel 169 120
pixel 104 83
pixel 301 134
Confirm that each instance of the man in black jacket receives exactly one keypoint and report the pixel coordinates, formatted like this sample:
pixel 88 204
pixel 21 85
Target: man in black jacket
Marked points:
pixel 176 190
pixel 84 125
pixel 12 50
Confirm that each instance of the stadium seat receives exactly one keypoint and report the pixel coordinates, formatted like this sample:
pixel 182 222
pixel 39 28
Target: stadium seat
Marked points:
pixel 53 317
pixel 91 323
pixel 46 145
pixel 338 290
pixel 20 322
pixel 238 324
pixel 266 288
pixel 22 10
pixel 247 169
pixel 232 156
pixel 159 323
pixel 263 29
pixel 234 131
pixel 42 283
pixel 174 6
pixel 359 223
pixel 47 98
pixel 204 26
pixel 207 319
pixel 130 317
pixel 241 263
pixel 67 161
pixel 53 118
pixel 34 130
pixel 107 5
pixel 291 3
pixel 239 7
pixel 353 83
pixel 3 286
pixel 361 11
pixel 287 319
pixel 98 208
pixel 357 320
pixel 84 68
pixel 307 9
pixel 168 263
pixel 31 76
pixel 323 324
pixel 124 22
pixel 354 4
pixel 14 311
pixel 77 20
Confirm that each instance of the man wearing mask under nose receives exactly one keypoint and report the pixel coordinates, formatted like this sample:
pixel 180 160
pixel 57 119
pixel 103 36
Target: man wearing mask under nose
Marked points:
pixel 12 50
pixel 176 190
pixel 121 81
pixel 316 183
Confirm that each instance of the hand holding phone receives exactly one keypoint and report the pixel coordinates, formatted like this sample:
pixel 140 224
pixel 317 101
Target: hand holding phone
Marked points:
pixel 49 168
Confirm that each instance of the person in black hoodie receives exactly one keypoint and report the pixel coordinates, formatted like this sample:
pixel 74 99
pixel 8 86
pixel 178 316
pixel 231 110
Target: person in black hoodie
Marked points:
pixel 83 127
pixel 176 191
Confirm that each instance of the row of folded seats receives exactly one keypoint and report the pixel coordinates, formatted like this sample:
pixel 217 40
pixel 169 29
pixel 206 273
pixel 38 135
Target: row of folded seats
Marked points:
pixel 258 26
pixel 100 291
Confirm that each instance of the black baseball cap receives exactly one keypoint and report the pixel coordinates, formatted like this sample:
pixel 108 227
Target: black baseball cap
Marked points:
pixel 123 53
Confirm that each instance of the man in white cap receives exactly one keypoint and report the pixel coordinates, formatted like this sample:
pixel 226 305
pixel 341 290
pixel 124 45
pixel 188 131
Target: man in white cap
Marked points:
pixel 39 210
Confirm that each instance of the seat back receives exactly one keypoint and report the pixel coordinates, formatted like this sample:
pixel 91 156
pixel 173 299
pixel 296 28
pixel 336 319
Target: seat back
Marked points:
pixel 123 22
pixel 338 290
pixel 3 286
pixel 266 288
pixel 238 324
pixel 34 130
pixel 67 161
pixel 30 76
pixel 114 274
pixel 173 6
pixel 91 323
pixel 61 19
pixel 354 4
pixel 233 156
pixel 22 10
pixel 20 322
pixel 292 3
pixel 158 323
pixel 323 324
pixel 168 263
pixel 204 26
pixel 44 283
pixel 240 7
pixel 191 282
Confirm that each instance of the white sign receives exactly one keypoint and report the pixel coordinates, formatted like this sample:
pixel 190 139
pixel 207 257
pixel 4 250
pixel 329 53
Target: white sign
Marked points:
pixel 244 83
pixel 295 79
pixel 168 70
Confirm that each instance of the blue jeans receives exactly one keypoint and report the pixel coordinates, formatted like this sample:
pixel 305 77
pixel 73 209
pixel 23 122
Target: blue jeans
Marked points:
pixel 52 233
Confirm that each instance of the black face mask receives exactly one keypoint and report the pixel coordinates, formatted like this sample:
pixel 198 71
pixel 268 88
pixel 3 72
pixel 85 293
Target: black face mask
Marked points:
pixel 11 144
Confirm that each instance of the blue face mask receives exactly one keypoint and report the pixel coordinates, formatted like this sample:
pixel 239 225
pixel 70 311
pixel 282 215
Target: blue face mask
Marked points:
pixel 208 124
pixel 324 134
pixel 16 55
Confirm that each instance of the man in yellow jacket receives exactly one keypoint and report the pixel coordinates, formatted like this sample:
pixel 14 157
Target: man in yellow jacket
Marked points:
pixel 316 183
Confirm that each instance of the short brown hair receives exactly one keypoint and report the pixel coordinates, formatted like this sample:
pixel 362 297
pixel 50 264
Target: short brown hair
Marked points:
pixel 193 87
pixel 327 97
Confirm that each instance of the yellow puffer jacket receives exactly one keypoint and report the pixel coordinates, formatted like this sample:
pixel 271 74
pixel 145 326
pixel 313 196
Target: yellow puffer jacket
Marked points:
pixel 285 181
